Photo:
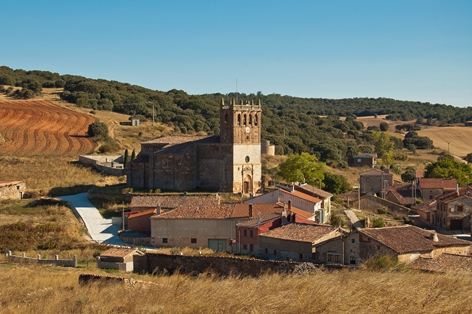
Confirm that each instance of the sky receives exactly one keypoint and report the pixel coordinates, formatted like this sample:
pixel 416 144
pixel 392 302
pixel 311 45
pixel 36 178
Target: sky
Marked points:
pixel 403 49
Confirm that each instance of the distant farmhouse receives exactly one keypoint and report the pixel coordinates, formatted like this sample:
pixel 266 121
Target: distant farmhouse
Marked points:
pixel 230 162
pixel 363 160
pixel 12 190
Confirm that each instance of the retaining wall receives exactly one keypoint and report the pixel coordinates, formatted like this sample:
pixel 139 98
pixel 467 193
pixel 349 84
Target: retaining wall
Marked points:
pixel 374 203
pixel 31 260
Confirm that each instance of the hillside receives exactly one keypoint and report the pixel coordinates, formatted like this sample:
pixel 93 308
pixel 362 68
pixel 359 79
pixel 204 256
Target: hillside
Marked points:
pixel 455 139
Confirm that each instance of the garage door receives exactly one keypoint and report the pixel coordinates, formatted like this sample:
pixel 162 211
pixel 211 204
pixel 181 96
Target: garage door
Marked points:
pixel 217 245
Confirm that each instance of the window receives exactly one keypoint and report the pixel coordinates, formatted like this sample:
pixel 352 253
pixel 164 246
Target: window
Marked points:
pixel 245 232
pixel 239 119
pixel 193 240
pixel 17 187
pixel 352 260
pixel 244 246
pixel 255 119
pixel 247 159
pixel 266 251
pixel 250 120
pixel 460 208
pixel 244 119
pixel 275 252
pixel 226 118
pixel 301 256
pixel 334 258
pixel 353 241
pixel 164 240
pixel 251 247
pixel 251 234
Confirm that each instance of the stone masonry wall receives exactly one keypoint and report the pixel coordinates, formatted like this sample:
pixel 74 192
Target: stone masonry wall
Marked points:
pixel 374 203
pixel 30 260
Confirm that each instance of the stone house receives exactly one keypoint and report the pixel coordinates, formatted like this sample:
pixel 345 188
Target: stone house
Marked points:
pixel 427 211
pixel 375 182
pixel 301 199
pixel 454 209
pixel 404 194
pixel 405 243
pixel 118 258
pixel 247 232
pixel 294 241
pixel 12 190
pixel 432 187
pixel 230 162
pixel 363 160
pixel 205 226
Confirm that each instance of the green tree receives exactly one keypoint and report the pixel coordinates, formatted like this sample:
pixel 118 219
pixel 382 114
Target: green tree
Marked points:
pixel 126 158
pixel 383 126
pixel 409 175
pixel 469 158
pixel 133 155
pixel 335 183
pixel 383 143
pixel 98 129
pixel 448 167
pixel 302 168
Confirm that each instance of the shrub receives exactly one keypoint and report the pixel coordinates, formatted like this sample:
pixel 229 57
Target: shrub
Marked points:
pixel 105 148
pixel 383 262
pixel 378 223
pixel 98 129
pixel 336 220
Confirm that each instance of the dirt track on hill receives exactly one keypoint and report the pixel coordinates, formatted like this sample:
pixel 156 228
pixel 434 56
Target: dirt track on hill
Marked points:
pixel 38 127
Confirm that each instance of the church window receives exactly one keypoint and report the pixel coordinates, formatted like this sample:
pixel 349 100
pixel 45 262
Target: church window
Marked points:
pixel 239 119
pixel 226 118
pixel 250 119
pixel 244 119
pixel 247 159
pixel 255 119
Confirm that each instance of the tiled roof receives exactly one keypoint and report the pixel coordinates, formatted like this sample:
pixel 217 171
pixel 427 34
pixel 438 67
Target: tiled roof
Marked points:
pixel 176 139
pixel 444 263
pixel 179 144
pixel 302 196
pixel 437 183
pixel 366 155
pixel 375 173
pixel 141 213
pixel 198 212
pixel 300 232
pixel 313 190
pixel 9 183
pixel 408 239
pixel 452 195
pixel 242 210
pixel 425 207
pixel 402 193
pixel 173 201
pixel 119 252
pixel 253 222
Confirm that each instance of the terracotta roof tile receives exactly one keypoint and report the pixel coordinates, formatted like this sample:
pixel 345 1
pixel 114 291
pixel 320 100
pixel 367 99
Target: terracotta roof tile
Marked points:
pixel 444 263
pixel 198 212
pixel 141 213
pixel 173 201
pixel 300 232
pixel 437 183
pixel 253 222
pixel 9 183
pixel 303 196
pixel 119 252
pixel 425 207
pixel 375 173
pixel 408 239
pixel 242 210
pixel 313 190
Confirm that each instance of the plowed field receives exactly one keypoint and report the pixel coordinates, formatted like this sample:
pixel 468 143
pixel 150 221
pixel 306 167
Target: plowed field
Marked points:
pixel 37 127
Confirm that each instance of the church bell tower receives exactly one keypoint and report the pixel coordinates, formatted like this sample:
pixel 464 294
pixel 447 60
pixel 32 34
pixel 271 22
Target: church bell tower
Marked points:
pixel 240 131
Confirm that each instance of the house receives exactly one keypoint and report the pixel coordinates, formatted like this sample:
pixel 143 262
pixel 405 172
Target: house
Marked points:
pixel 404 194
pixel 12 190
pixel 294 241
pixel 230 162
pixel 134 121
pixel 118 258
pixel 205 226
pixel 301 199
pixel 375 182
pixel 363 160
pixel 468 123
pixel 324 196
pixel 140 221
pixel 431 187
pixel 454 209
pixel 405 243
pixel 426 210
pixel 247 232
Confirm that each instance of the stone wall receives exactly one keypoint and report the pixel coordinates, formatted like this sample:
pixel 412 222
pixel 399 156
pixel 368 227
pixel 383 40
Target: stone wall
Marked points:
pixel 374 203
pixel 134 240
pixel 31 260
pixel 119 266
pixel 15 190
pixel 223 266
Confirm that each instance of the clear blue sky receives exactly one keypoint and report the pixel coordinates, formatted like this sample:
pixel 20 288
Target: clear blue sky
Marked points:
pixel 408 50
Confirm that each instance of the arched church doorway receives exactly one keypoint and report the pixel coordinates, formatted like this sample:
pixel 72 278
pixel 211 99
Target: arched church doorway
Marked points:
pixel 247 184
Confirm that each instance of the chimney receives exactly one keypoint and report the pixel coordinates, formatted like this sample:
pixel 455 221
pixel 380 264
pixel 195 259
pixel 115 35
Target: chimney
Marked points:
pixel 284 217
pixel 457 189
pixel 386 170
pixel 434 236
pixel 250 210
pixel 290 205
pixel 258 221
pixel 158 209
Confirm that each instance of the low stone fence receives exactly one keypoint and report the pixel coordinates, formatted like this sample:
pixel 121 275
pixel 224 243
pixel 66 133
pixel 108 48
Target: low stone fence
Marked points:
pixel 223 266
pixel 131 238
pixel 374 203
pixel 31 260
pixel 127 267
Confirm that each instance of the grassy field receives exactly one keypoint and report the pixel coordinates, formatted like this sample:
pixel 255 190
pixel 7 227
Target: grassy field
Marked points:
pixel 33 289
pixel 456 139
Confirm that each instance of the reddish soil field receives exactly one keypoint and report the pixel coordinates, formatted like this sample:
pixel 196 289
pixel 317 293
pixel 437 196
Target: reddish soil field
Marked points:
pixel 38 127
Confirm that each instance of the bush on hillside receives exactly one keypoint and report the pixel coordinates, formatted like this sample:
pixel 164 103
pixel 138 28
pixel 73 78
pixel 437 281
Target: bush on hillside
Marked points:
pixel 98 129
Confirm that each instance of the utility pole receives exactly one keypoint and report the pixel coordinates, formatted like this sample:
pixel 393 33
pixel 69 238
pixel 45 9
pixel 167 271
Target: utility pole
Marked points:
pixel 152 114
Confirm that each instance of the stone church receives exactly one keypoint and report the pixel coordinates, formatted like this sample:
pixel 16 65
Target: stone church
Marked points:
pixel 230 162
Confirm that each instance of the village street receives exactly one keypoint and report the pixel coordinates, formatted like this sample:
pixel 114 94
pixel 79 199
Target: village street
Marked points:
pixel 100 230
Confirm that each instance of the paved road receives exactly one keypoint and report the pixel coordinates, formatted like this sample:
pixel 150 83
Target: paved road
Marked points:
pixel 99 228
pixel 355 223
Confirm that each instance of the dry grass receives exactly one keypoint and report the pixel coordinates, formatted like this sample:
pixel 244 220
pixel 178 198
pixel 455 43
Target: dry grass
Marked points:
pixel 37 289
pixel 454 138
pixel 52 174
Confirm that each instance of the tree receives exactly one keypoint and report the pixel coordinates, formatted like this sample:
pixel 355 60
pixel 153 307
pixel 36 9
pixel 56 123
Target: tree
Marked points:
pixel 469 158
pixel 98 129
pixel 409 175
pixel 384 126
pixel 448 167
pixel 335 183
pixel 383 143
pixel 133 155
pixel 126 159
pixel 302 168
